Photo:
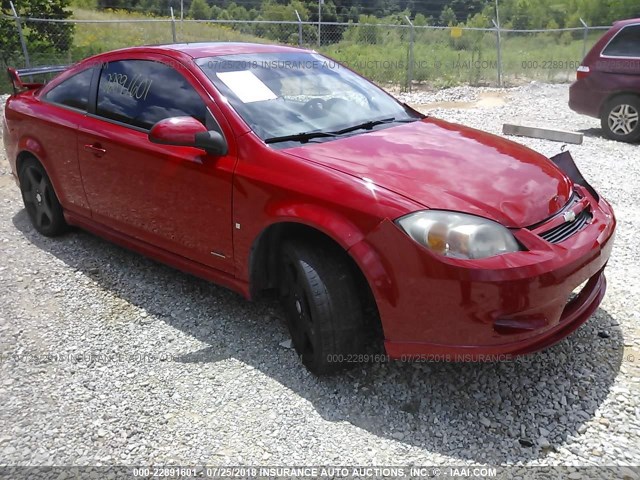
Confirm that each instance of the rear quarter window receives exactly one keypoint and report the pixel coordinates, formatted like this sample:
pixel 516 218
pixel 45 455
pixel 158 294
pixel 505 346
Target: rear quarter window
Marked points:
pixel 626 43
pixel 73 92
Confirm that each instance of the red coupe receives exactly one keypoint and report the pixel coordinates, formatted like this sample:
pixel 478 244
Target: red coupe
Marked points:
pixel 268 168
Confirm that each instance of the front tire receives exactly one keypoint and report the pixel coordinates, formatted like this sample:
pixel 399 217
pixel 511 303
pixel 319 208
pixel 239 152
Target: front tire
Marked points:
pixel 40 200
pixel 621 118
pixel 322 305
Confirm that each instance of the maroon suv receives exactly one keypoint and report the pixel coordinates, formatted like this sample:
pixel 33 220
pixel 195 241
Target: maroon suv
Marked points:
pixel 608 84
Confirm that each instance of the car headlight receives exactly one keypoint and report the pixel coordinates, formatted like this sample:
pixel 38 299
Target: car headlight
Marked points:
pixel 458 235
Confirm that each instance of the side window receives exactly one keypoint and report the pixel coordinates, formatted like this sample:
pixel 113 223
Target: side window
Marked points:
pixel 73 92
pixel 625 44
pixel 143 92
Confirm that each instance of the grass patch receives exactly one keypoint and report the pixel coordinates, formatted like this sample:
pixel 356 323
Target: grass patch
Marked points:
pixel 442 61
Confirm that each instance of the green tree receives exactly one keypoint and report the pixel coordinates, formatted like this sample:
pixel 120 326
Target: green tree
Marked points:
pixel 238 12
pixel 199 10
pixel 41 37
pixel 465 9
pixel 448 16
pixel 420 20
pixel 285 33
pixel 365 32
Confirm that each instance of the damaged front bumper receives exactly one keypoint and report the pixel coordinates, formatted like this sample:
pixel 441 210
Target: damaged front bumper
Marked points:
pixel 511 304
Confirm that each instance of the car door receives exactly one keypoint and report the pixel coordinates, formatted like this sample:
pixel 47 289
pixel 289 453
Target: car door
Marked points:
pixel 176 198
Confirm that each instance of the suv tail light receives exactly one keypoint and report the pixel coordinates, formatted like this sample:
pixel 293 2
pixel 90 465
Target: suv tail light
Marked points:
pixel 583 72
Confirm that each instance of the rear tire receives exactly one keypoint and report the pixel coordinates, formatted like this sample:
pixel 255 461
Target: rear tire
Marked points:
pixel 40 200
pixel 323 307
pixel 621 118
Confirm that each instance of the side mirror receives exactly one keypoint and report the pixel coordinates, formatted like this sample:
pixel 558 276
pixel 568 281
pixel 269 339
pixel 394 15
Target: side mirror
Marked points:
pixel 187 132
pixel 212 142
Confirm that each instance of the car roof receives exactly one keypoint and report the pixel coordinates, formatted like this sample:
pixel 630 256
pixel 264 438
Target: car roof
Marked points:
pixel 212 49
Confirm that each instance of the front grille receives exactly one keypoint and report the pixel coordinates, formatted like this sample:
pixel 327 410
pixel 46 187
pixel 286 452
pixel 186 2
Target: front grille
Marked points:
pixel 562 232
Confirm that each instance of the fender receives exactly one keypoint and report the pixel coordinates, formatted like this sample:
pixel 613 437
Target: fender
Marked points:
pixel 375 268
pixel 257 265
pixel 340 229
pixel 346 234
pixel 29 145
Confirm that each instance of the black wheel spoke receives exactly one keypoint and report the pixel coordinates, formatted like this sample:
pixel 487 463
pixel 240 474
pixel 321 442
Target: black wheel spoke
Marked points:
pixel 46 210
pixel 42 185
pixel 41 217
pixel 305 316
pixel 31 175
pixel 306 325
pixel 28 197
pixel 46 199
pixel 298 337
pixel 28 186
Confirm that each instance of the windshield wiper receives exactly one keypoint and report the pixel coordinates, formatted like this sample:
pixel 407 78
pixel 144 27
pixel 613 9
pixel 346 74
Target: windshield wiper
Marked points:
pixel 302 137
pixel 374 123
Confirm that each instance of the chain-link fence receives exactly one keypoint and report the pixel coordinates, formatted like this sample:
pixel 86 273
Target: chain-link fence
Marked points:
pixel 400 54
pixel 546 55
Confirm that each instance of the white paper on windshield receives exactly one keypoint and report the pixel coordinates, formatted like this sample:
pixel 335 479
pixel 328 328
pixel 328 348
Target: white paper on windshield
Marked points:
pixel 247 87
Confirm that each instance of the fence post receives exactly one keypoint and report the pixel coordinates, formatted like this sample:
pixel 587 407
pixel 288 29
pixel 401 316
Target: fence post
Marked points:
pixel 25 52
pixel 497 25
pixel 299 29
pixel 412 33
pixel 585 38
pixel 320 3
pixel 173 26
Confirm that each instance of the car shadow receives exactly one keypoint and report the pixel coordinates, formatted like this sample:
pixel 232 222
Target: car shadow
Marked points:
pixel 593 133
pixel 466 411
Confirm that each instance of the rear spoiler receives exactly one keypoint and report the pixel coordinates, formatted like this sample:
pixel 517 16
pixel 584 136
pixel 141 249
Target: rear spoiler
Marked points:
pixel 15 76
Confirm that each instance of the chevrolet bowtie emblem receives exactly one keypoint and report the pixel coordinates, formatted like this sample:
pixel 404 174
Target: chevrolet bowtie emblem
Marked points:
pixel 569 217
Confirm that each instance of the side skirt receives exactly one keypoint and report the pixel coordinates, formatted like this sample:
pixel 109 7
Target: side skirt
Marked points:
pixel 163 256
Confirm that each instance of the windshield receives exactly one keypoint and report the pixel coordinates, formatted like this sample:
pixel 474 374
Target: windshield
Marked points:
pixel 283 95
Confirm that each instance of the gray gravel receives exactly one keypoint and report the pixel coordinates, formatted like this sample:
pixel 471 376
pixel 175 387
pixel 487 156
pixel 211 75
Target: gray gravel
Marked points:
pixel 109 358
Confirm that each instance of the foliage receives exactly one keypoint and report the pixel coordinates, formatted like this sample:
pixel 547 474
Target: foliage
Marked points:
pixel 365 32
pixel 199 10
pixel 44 36
pixel 518 14
pixel 448 17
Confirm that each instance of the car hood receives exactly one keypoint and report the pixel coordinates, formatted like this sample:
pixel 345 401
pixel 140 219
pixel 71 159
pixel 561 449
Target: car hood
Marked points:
pixel 451 167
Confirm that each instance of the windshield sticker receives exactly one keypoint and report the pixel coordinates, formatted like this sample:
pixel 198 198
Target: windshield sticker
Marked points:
pixel 246 86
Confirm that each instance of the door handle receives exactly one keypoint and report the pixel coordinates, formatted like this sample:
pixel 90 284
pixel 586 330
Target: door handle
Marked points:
pixel 96 149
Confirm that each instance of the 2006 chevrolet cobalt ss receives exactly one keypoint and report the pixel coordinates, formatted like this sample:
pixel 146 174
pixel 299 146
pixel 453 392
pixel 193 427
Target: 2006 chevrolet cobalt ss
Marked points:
pixel 267 168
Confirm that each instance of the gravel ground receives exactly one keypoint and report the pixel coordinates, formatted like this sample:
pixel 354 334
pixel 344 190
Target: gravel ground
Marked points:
pixel 109 358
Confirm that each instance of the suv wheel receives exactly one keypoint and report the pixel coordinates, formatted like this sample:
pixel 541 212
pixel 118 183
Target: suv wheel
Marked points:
pixel 621 118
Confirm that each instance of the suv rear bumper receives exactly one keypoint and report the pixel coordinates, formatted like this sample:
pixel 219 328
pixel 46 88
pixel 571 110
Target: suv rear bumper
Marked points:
pixel 585 99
